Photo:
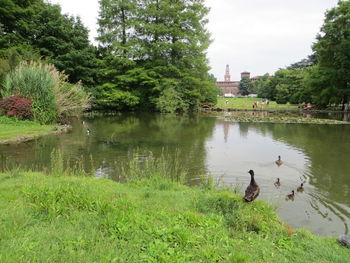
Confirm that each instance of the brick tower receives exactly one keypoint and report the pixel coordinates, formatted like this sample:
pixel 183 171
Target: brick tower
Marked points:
pixel 227 76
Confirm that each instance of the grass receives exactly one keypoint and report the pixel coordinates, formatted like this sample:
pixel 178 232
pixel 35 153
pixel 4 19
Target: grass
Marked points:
pixel 11 128
pixel 83 219
pixel 247 104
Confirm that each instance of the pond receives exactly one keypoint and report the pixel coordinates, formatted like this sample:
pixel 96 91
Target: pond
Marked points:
pixel 316 155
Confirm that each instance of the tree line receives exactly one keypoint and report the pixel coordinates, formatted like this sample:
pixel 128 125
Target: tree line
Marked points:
pixel 151 54
pixel 324 77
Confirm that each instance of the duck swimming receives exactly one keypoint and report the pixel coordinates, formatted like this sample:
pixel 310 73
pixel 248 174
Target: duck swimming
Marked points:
pixel 290 196
pixel 301 188
pixel 279 162
pixel 253 190
pixel 277 183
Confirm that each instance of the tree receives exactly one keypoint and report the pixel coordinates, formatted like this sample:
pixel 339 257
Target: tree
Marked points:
pixel 35 27
pixel 64 41
pixel 330 79
pixel 304 63
pixel 156 50
pixel 286 86
pixel 245 86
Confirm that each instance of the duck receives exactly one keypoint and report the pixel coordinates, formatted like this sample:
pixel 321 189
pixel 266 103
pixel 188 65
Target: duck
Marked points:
pixel 290 196
pixel 88 132
pixel 277 183
pixel 301 188
pixel 279 162
pixel 253 190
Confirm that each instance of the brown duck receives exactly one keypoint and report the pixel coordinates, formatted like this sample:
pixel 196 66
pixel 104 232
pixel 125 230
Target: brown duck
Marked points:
pixel 301 188
pixel 290 196
pixel 277 183
pixel 253 190
pixel 279 162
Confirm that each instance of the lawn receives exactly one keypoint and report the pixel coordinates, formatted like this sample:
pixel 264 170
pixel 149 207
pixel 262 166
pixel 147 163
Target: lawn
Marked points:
pixel 247 104
pixel 80 219
pixel 11 128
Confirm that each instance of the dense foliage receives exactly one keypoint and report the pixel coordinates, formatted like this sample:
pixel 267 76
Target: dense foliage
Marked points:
pixel 245 86
pixel 154 55
pixel 16 106
pixel 51 95
pixel 330 78
pixel 34 27
pixel 324 77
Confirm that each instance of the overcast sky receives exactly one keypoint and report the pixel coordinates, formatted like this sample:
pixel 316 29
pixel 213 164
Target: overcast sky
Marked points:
pixel 259 36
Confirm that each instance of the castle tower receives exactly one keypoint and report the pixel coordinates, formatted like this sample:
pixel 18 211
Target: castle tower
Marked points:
pixel 245 74
pixel 227 76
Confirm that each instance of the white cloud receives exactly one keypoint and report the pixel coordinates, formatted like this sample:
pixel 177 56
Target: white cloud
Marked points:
pixel 255 35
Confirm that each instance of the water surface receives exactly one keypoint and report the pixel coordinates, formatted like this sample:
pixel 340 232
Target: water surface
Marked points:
pixel 317 155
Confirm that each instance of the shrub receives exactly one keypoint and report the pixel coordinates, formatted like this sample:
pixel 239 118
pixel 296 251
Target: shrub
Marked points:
pixel 51 95
pixel 16 106
pixel 33 80
pixel 70 99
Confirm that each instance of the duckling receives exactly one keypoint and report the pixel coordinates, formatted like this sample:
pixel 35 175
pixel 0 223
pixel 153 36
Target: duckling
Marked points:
pixel 253 190
pixel 279 162
pixel 277 183
pixel 290 196
pixel 301 188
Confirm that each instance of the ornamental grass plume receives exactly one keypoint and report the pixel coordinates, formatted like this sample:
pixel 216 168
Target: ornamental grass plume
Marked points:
pixel 51 95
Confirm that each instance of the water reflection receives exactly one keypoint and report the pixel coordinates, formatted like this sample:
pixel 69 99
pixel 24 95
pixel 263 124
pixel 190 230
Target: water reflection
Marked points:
pixel 106 142
pixel 316 155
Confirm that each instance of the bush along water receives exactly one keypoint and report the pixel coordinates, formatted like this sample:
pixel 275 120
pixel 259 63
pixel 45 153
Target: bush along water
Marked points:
pixel 48 90
pixel 16 106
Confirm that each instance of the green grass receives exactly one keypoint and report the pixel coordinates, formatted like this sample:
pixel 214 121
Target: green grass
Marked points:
pixel 81 219
pixel 247 104
pixel 11 128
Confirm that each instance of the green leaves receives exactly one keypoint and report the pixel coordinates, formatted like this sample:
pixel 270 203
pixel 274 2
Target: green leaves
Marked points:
pixel 331 77
pixel 164 42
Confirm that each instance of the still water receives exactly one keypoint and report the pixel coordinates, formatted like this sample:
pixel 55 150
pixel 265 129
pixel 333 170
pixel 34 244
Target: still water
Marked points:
pixel 316 155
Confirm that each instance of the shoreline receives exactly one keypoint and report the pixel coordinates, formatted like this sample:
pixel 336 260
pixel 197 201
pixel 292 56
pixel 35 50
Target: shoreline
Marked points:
pixel 85 219
pixel 271 110
pixel 58 129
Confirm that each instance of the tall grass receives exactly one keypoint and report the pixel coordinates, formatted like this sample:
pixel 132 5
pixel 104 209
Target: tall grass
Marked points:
pixel 146 166
pixel 61 167
pixel 52 96
pixel 33 80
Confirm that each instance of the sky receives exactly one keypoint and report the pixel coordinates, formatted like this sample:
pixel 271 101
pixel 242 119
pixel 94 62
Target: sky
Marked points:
pixel 259 36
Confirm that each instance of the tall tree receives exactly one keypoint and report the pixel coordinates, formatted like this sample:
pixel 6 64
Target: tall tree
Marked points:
pixel 330 79
pixel 162 54
pixel 245 86
pixel 64 41
pixel 33 26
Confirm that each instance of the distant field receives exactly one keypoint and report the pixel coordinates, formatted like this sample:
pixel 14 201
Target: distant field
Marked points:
pixel 247 103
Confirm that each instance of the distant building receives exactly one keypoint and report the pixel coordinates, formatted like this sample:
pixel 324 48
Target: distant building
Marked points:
pixel 227 86
pixel 245 74
pixel 230 88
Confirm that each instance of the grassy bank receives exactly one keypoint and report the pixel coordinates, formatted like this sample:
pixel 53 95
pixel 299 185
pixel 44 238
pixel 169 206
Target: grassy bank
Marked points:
pixel 247 104
pixel 11 128
pixel 81 219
